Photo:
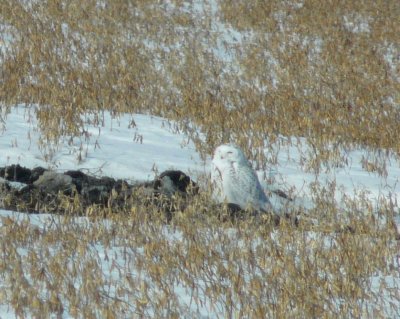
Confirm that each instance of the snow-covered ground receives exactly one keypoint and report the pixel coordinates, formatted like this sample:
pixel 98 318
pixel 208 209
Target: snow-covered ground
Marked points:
pixel 153 144
pixel 134 153
pixel 119 149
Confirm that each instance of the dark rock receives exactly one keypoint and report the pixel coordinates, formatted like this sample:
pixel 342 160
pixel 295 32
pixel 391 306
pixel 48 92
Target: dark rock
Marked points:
pixel 96 190
pixel 172 181
pixel 96 194
pixel 16 173
pixel 78 179
pixel 76 175
pixel 36 173
pixel 234 208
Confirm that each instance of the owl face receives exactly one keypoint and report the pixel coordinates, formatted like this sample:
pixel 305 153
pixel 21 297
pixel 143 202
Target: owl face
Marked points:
pixel 228 153
pixel 227 158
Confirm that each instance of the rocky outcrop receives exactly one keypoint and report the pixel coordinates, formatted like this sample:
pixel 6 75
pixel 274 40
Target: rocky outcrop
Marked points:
pixel 73 192
pixel 17 173
pixel 41 190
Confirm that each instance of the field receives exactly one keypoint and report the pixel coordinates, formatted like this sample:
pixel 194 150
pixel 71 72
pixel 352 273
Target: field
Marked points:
pixel 309 91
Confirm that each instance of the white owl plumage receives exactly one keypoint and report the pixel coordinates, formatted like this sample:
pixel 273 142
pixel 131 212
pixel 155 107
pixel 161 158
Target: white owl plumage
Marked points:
pixel 235 181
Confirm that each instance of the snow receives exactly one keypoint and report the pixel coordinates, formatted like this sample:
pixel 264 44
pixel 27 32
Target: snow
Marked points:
pixel 133 153
pixel 350 179
pixel 117 149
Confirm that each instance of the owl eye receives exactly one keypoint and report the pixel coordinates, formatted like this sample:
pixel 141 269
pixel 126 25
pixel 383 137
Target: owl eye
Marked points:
pixel 222 156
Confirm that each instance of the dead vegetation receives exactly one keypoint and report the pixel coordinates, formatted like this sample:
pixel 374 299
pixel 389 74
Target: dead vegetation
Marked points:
pixel 328 72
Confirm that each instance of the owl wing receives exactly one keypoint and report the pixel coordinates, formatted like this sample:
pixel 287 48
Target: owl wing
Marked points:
pixel 249 190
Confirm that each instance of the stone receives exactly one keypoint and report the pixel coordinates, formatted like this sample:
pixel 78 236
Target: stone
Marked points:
pixel 53 182
pixel 174 181
pixel 16 173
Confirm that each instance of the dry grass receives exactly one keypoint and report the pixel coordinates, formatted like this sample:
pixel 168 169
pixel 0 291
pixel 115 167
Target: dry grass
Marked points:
pixel 130 264
pixel 327 72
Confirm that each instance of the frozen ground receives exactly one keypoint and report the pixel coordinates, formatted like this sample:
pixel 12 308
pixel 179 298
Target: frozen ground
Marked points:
pixel 133 153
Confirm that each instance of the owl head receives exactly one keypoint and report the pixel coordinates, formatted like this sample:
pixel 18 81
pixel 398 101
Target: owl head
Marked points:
pixel 229 153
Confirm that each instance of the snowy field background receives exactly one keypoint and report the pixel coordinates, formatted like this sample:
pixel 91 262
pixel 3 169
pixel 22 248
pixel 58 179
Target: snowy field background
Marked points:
pixel 116 152
pixel 140 146
pixel 154 144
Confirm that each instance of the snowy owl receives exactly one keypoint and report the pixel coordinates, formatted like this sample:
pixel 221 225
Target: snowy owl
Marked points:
pixel 235 181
